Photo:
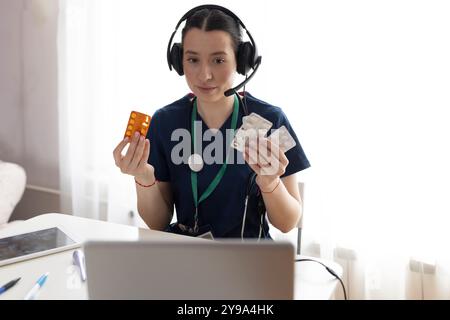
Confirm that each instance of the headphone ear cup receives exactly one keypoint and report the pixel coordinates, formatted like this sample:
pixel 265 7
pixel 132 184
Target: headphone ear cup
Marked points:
pixel 245 57
pixel 176 58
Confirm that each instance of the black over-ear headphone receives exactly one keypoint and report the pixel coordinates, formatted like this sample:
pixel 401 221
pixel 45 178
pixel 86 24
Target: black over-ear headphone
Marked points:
pixel 247 54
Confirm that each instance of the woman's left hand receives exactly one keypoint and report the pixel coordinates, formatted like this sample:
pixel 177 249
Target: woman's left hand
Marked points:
pixel 267 160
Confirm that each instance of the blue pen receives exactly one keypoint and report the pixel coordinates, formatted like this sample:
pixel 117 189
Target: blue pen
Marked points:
pixel 8 285
pixel 32 293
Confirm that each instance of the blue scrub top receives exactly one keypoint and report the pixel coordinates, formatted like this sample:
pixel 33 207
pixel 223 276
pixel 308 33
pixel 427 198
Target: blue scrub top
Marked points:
pixel 223 210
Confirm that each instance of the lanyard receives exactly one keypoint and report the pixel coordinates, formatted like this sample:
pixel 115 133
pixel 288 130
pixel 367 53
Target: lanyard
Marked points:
pixel 222 170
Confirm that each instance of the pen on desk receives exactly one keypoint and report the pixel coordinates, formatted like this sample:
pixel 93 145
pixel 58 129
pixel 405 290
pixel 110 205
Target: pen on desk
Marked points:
pixel 9 285
pixel 32 293
pixel 78 259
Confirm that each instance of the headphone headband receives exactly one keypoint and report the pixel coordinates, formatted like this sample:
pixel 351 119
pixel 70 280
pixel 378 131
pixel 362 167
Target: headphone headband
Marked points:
pixel 212 7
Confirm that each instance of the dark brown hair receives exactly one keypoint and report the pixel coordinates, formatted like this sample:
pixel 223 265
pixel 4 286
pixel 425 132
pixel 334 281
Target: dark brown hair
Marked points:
pixel 213 19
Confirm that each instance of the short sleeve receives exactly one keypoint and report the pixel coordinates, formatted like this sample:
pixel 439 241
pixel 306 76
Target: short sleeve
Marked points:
pixel 157 156
pixel 296 156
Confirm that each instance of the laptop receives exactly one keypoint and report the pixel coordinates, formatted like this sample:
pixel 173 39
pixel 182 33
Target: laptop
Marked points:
pixel 189 270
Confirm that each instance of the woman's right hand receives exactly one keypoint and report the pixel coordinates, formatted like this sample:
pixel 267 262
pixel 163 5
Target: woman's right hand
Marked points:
pixel 135 161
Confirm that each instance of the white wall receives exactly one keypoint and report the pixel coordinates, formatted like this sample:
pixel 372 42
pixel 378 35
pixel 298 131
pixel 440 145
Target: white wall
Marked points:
pixel 11 107
pixel 28 99
pixel 28 88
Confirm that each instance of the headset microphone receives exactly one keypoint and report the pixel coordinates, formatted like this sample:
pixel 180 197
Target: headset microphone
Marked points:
pixel 231 91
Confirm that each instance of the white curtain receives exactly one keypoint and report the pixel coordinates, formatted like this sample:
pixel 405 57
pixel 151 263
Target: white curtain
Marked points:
pixel 365 85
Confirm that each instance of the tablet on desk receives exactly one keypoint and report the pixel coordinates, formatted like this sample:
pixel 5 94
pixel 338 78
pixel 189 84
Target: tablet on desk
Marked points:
pixel 35 244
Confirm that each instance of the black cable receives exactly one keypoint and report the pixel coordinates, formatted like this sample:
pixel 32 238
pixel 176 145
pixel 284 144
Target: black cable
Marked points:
pixel 331 271
pixel 245 97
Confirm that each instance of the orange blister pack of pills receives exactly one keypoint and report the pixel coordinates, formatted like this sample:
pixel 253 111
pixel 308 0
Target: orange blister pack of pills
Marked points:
pixel 139 122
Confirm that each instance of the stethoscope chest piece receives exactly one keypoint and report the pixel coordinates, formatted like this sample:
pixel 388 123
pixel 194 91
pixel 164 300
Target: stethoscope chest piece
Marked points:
pixel 195 162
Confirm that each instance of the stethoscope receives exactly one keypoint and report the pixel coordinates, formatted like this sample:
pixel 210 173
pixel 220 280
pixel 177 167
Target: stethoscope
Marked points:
pixel 195 162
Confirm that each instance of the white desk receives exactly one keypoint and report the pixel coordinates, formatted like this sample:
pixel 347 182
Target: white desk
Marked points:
pixel 312 281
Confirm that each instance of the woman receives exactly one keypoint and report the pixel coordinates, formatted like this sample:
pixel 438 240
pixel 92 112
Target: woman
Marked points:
pixel 211 197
